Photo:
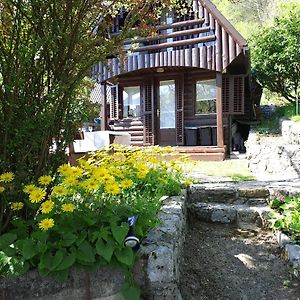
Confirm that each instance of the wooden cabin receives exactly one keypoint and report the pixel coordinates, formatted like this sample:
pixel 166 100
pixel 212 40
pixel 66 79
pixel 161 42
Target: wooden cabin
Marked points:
pixel 181 87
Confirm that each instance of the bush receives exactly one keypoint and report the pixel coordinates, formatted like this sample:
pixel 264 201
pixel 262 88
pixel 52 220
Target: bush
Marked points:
pixel 79 217
pixel 286 216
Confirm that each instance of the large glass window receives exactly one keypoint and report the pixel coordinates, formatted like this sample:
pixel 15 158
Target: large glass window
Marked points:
pixel 131 102
pixel 205 96
pixel 167 104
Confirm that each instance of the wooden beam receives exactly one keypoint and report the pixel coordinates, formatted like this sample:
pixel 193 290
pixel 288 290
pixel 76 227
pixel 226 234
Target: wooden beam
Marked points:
pixel 203 39
pixel 167 36
pixel 180 24
pixel 220 137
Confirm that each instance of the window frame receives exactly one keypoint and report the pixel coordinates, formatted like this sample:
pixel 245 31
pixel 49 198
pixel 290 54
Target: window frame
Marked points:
pixel 195 96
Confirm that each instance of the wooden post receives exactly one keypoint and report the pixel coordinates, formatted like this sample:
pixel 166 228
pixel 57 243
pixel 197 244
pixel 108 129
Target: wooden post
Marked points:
pixel 104 110
pixel 220 138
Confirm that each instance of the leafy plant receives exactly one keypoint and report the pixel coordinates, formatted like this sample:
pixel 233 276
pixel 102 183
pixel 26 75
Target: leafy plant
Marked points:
pixel 286 216
pixel 79 217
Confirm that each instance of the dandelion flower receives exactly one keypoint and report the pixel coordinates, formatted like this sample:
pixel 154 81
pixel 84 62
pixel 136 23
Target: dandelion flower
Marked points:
pixel 29 188
pixel 126 183
pixel 113 189
pixel 45 180
pixel 99 172
pixel 17 206
pixel 37 195
pixel 68 207
pixel 2 189
pixel 7 177
pixel 70 181
pixel 47 206
pixel 46 224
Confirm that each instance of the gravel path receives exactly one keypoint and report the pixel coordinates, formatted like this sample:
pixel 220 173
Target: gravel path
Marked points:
pixel 222 262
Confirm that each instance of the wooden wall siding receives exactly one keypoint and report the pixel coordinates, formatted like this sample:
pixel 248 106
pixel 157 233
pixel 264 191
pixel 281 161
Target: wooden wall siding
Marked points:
pixel 202 39
pixel 134 127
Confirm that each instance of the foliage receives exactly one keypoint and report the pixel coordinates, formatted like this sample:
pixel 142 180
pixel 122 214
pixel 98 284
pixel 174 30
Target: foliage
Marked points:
pixel 276 56
pixel 79 217
pixel 47 48
pixel 286 216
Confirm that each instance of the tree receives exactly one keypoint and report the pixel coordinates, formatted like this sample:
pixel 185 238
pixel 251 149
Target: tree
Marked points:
pixel 275 54
pixel 46 49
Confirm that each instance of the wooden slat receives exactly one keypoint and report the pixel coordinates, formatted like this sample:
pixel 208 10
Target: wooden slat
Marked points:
pixel 225 48
pixel 232 49
pixel 219 61
pixel 199 40
pixel 168 35
pixel 180 24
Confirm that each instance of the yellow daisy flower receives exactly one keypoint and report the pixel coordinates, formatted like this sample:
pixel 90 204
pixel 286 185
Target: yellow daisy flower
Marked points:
pixel 68 207
pixel 59 191
pixel 75 172
pixel 2 189
pixel 17 206
pixel 46 224
pixel 141 174
pixel 91 184
pixel 100 172
pixel 70 181
pixel 113 189
pixel 47 206
pixel 37 195
pixel 29 188
pixel 45 180
pixel 126 183
pixel 7 177
pixel 64 170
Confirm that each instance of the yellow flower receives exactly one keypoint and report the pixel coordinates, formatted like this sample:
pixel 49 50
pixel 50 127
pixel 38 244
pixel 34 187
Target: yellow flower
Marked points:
pixel 47 206
pixel 45 180
pixel 68 207
pixel 113 189
pixel 75 172
pixel 2 189
pixel 141 174
pixel 91 184
pixel 59 191
pixel 7 177
pixel 141 167
pixel 29 188
pixel 17 206
pixel 64 170
pixel 100 172
pixel 126 183
pixel 37 195
pixel 46 224
pixel 70 181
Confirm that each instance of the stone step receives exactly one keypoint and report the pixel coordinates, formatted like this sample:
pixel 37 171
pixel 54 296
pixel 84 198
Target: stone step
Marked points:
pixel 229 193
pixel 240 214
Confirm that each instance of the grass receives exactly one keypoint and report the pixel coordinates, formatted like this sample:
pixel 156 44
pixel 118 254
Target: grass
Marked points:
pixel 237 170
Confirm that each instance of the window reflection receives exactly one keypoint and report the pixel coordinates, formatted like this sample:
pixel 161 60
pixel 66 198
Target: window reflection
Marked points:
pixel 131 102
pixel 206 96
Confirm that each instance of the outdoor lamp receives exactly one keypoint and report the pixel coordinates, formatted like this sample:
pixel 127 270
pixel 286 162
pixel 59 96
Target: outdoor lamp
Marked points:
pixel 131 240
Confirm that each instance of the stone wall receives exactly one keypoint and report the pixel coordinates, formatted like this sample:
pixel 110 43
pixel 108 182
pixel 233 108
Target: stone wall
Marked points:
pixel 274 157
pixel 290 131
pixel 157 271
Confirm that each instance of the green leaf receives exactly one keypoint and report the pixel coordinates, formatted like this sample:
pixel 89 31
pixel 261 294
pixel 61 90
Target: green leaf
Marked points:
pixel 61 275
pixel 81 237
pixel 120 232
pixel 68 239
pixel 45 261
pixel 56 260
pixel 125 256
pixel 7 239
pixel 28 248
pixel 67 262
pixel 131 292
pixel 85 252
pixel 105 250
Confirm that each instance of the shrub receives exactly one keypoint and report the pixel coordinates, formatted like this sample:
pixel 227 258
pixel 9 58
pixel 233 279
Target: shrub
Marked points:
pixel 79 217
pixel 286 216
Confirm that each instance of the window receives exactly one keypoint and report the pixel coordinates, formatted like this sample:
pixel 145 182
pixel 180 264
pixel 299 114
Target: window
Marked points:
pixel 131 102
pixel 205 96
